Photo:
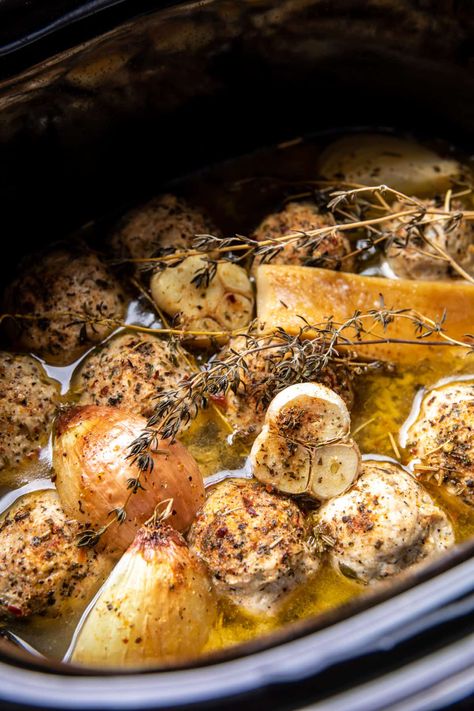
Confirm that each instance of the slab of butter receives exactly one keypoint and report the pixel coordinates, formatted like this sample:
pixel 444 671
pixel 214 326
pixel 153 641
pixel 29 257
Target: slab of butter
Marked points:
pixel 286 293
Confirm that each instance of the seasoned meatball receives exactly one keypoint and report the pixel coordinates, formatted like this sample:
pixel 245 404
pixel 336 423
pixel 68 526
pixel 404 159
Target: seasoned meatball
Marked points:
pixel 129 370
pixel 224 302
pixel 443 439
pixel 384 524
pixel 42 569
pixel 71 292
pixel 325 251
pixel 165 222
pixel 246 408
pixel 254 543
pixel 410 257
pixel 28 403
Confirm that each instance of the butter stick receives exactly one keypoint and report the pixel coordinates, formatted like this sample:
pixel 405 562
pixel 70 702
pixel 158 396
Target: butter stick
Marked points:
pixel 285 293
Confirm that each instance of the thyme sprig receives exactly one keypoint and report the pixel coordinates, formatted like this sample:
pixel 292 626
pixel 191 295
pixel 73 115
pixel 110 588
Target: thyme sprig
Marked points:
pixel 355 207
pixel 293 357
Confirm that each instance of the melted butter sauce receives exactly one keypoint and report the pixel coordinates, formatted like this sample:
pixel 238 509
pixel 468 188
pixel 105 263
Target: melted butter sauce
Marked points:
pixel 383 403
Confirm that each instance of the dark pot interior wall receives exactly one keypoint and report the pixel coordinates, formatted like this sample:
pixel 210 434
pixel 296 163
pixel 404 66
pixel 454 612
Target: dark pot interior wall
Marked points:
pixel 106 123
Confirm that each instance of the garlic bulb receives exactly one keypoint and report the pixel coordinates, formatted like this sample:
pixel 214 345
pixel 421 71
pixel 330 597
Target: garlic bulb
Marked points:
pixel 304 446
pixel 93 474
pixel 158 606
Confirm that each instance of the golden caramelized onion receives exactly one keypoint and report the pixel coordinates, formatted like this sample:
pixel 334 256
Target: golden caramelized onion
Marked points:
pixel 93 474
pixel 374 159
pixel 158 606
pixel 286 294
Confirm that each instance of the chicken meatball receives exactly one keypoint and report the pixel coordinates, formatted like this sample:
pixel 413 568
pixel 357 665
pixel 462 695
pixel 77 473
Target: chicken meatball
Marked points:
pixel 410 257
pixel 384 524
pixel 72 297
pixel 221 301
pixel 42 569
pixel 245 409
pixel 442 438
pixel 325 251
pixel 129 370
pixel 165 222
pixel 254 543
pixel 29 401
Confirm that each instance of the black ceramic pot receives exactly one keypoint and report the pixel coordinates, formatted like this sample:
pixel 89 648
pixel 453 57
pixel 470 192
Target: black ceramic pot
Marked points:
pixel 102 103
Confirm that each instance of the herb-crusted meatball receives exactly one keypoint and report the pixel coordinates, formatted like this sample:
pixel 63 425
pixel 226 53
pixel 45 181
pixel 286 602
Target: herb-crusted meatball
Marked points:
pixel 165 222
pixel 443 439
pixel 71 294
pixel 325 251
pixel 129 370
pixel 42 570
pixel 384 524
pixel 254 543
pixel 245 409
pixel 28 403
pixel 410 257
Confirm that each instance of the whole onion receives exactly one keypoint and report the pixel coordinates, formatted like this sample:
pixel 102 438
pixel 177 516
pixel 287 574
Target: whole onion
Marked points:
pixel 95 475
pixel 157 606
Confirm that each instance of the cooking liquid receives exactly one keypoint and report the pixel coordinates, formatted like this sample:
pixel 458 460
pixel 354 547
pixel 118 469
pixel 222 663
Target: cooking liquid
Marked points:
pixel 238 194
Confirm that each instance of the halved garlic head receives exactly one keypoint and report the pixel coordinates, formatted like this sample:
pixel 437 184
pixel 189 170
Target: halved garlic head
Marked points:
pixel 222 303
pixel 304 446
pixel 309 413
pixel 280 463
pixel 157 607
pixel 91 460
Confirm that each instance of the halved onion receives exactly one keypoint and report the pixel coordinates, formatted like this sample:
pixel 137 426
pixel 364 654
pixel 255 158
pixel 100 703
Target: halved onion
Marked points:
pixel 158 606
pixel 94 474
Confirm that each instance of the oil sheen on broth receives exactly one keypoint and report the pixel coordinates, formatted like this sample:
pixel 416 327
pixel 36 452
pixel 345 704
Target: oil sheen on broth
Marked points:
pixel 383 401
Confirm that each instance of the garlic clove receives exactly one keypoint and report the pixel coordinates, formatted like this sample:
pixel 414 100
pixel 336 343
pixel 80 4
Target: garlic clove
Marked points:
pixel 334 468
pixel 309 413
pixel 157 607
pixel 281 463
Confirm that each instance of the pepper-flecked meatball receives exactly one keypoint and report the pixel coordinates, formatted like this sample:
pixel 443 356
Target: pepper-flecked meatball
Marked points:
pixel 384 524
pixel 254 544
pixel 326 250
pixel 129 370
pixel 410 257
pixel 71 295
pixel 28 403
pixel 245 409
pixel 443 439
pixel 42 569
pixel 165 222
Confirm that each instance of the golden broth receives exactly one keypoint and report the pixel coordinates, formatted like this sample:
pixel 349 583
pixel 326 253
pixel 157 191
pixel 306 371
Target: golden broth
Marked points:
pixel 383 402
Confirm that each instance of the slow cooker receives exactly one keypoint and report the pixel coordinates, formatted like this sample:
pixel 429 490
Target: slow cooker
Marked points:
pixel 178 86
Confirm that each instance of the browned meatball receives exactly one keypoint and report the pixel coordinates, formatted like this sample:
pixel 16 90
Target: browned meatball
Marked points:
pixel 385 523
pixel 42 569
pixel 442 438
pixel 165 222
pixel 246 408
pixel 72 296
pixel 28 403
pixel 254 544
pixel 410 257
pixel 326 251
pixel 129 370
